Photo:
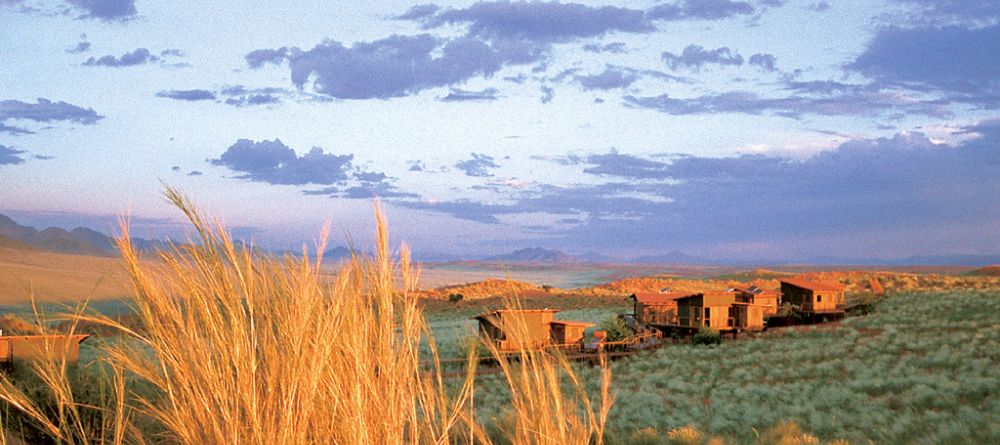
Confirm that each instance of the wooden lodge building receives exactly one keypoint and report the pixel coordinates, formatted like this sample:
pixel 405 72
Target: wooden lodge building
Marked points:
pixel 767 298
pixel 721 311
pixel 650 308
pixel 37 347
pixel 538 329
pixel 813 297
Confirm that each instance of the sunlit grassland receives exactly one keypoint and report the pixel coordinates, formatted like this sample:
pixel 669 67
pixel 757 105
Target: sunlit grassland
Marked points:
pixel 922 369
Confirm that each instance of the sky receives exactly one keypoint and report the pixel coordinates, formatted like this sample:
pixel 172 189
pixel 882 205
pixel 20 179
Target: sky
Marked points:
pixel 727 129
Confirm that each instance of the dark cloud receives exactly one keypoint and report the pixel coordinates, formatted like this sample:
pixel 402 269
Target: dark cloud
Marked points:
pixel 258 58
pixel 624 165
pixel 80 47
pixel 937 12
pixel 418 12
pixel 905 183
pixel 612 77
pixel 765 61
pixel 47 111
pixel 547 22
pixel 459 95
pixel 401 65
pixel 953 59
pixel 864 100
pixel 614 47
pixel 111 10
pixel 700 10
pixel 9 155
pixel 188 95
pixel 695 57
pixel 547 94
pixel 253 99
pixel 140 56
pixel 14 130
pixel 820 6
pixel 479 165
pixel 172 52
pixel 275 163
pixel 195 173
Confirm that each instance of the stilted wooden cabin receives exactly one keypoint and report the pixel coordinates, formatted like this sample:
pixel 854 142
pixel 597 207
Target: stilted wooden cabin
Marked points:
pixel 538 329
pixel 33 347
pixel 720 311
pixel 813 296
pixel 652 308
pixel 758 296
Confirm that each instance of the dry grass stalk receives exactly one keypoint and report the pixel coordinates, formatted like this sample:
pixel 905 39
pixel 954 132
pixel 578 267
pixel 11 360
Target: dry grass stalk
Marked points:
pixel 241 347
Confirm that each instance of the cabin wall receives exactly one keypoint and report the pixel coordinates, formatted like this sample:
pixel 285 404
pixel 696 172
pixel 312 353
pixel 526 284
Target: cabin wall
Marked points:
pixel 797 296
pixel 32 347
pixel 657 314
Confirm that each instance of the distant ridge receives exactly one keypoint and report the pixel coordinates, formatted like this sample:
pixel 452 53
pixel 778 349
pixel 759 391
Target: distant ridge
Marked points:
pixel 80 241
pixel 988 271
pixel 53 239
pixel 535 255
pixel 672 257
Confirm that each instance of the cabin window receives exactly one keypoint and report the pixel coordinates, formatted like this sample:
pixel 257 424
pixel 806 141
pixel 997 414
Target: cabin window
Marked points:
pixel 819 298
pixel 708 313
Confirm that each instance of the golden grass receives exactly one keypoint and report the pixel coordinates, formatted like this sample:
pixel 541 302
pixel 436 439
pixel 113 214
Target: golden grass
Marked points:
pixel 236 347
pixel 50 276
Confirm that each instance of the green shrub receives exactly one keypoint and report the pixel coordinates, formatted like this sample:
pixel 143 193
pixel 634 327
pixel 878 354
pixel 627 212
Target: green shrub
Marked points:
pixel 455 298
pixel 617 328
pixel 706 336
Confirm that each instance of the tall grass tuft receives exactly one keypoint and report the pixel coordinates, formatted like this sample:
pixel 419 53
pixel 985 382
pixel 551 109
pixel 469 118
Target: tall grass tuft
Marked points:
pixel 236 346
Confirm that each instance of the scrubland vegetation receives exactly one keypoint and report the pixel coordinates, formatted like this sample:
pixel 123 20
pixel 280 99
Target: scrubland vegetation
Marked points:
pixel 922 368
pixel 230 346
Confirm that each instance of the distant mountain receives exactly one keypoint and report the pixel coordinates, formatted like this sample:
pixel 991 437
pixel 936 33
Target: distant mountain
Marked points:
pixel 594 257
pixel 988 271
pixel 919 260
pixel 672 257
pixel 80 240
pixel 534 255
pixel 338 253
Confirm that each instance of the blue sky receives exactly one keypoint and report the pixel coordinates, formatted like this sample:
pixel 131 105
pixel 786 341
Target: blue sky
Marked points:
pixel 723 128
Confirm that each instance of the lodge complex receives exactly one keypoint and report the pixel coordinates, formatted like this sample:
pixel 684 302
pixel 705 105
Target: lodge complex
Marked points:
pixel 732 311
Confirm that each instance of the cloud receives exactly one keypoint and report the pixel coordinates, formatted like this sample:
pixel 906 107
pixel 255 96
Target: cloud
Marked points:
pixel 10 156
pixel 547 94
pixel 857 100
pixel 542 22
pixel 695 57
pixel 624 165
pixel 612 77
pixel 459 95
pixel 258 58
pixel 822 6
pixel 418 12
pixel 109 10
pixel 479 165
pixel 614 47
pixel 14 130
pixel 865 191
pixel 401 65
pixel 275 163
pixel 45 110
pixel 195 173
pixel 938 12
pixel 700 10
pixel 767 62
pixel 140 56
pixel 253 99
pixel 188 95
pixel 952 59
pixel 81 47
